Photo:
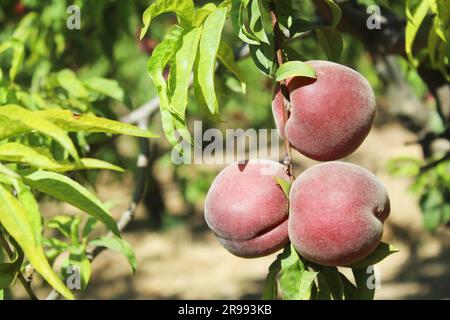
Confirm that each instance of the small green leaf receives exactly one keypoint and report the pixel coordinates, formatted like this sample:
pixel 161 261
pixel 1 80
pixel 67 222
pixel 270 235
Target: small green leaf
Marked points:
pixel 331 42
pixel 336 12
pixel 9 270
pixel 119 245
pixel 294 69
pixel 334 280
pixel 78 262
pixel 71 122
pixel 284 184
pixel 181 71
pixel 413 24
pixel 70 191
pixel 365 290
pixel 382 251
pixel 107 87
pixel 226 57
pixel 202 13
pixel 184 9
pixel 208 49
pixel 69 81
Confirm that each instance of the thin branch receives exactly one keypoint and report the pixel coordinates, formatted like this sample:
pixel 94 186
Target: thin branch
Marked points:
pixel 278 41
pixel 433 164
pixel 25 284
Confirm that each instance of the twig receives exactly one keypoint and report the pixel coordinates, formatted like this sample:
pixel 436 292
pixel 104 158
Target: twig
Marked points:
pixel 433 164
pixel 25 284
pixel 278 39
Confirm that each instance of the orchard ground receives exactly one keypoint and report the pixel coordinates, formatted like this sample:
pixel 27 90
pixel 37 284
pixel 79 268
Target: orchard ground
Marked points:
pixel 187 262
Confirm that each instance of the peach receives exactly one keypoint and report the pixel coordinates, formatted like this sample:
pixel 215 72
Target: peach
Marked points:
pixel 330 115
pixel 247 210
pixel 337 211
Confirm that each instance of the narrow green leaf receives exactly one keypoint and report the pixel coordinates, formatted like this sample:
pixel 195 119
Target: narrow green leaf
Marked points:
pixel 184 9
pixel 70 191
pixel 294 69
pixel 382 251
pixel 78 259
pixel 9 270
pixel 16 221
pixel 208 48
pixel 336 12
pixel 107 87
pixel 68 80
pixel 19 153
pixel 365 289
pixel 119 245
pixel 334 280
pixel 202 13
pixel 182 69
pixel 284 184
pixel 412 26
pixel 71 122
pixel 161 56
pixel 226 57
pixel 331 42
pixel 20 120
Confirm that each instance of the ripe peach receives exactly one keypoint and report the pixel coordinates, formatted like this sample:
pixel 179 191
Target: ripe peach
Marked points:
pixel 337 211
pixel 330 115
pixel 247 210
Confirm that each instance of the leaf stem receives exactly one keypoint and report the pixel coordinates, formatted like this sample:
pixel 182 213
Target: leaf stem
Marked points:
pixel 278 40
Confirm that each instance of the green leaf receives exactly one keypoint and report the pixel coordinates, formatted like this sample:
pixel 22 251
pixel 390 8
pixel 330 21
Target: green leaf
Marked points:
pixel 433 206
pixel 184 9
pixel 336 12
pixel 78 259
pixel 263 57
pixel 16 120
pixel 119 245
pixel 296 284
pixel 412 26
pixel 382 251
pixel 19 153
pixel 181 71
pixel 16 221
pixel 294 69
pixel 208 49
pixel 202 13
pixel 2 295
pixel 350 291
pixel 67 190
pixel 161 56
pixel 334 280
pixel 331 42
pixel 362 283
pixel 226 57
pixel 238 7
pixel 71 122
pixel 404 166
pixel 9 270
pixel 323 288
pixel 68 80
pixel 284 184
pixel 88 227
pixel 270 285
pixel 107 87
